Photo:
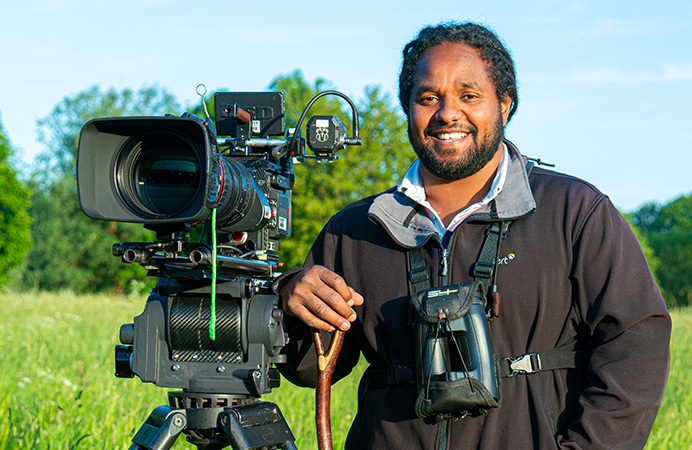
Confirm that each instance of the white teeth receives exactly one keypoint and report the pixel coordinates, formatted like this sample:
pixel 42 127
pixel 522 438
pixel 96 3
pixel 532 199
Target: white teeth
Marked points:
pixel 451 136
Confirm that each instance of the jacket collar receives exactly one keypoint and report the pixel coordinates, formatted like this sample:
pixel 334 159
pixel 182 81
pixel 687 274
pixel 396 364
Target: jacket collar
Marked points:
pixel 410 226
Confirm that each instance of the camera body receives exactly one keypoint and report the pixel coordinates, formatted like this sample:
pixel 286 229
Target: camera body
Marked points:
pixel 179 178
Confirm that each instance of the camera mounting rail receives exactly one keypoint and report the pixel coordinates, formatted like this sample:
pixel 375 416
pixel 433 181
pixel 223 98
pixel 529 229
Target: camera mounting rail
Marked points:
pixel 149 256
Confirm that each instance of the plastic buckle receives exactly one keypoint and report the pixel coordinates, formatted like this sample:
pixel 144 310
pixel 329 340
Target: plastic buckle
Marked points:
pixel 417 275
pixel 482 269
pixel 528 363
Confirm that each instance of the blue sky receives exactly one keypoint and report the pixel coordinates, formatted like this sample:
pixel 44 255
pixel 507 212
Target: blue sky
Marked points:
pixel 605 86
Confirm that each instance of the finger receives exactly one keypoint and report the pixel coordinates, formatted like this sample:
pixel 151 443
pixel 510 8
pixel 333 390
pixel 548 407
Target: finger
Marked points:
pixel 318 296
pixel 307 307
pixel 332 304
pixel 336 313
pixel 334 281
pixel 309 317
pixel 356 298
pixel 332 290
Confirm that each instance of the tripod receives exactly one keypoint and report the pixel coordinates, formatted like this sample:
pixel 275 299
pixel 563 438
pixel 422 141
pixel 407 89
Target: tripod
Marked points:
pixel 214 421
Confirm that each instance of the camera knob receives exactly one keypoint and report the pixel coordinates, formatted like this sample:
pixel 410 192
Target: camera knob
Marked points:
pixel 127 333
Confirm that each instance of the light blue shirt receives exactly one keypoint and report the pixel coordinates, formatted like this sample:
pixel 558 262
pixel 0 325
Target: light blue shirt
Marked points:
pixel 412 186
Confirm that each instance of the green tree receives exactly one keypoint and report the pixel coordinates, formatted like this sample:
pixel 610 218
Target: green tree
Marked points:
pixel 15 239
pixel 647 249
pixel 668 229
pixel 59 130
pixel 72 251
pixel 322 189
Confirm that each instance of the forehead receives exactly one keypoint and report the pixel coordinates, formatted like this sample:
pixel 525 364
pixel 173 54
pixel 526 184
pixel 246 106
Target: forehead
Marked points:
pixel 451 63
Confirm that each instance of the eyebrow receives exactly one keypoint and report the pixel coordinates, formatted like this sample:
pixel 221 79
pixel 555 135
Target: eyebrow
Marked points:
pixel 464 85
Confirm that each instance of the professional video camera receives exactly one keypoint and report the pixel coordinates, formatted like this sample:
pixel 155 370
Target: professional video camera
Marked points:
pixel 211 326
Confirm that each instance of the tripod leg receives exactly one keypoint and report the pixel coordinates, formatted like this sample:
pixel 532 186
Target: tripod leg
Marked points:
pixel 160 430
pixel 258 426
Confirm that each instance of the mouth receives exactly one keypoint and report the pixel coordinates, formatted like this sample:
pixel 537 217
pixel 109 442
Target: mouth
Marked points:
pixel 450 136
pixel 447 135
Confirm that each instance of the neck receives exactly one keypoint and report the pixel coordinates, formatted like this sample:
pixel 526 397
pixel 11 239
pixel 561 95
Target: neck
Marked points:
pixel 449 198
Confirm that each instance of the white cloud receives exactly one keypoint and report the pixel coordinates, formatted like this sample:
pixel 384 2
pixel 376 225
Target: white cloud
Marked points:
pixel 600 28
pixel 683 73
pixel 608 75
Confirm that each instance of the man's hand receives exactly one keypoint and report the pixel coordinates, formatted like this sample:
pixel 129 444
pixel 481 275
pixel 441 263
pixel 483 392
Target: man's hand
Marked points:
pixel 321 299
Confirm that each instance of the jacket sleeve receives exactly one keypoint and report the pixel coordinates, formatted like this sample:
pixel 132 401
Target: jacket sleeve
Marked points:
pixel 629 327
pixel 301 365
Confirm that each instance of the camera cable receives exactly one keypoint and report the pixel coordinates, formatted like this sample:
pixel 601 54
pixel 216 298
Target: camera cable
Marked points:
pixel 212 319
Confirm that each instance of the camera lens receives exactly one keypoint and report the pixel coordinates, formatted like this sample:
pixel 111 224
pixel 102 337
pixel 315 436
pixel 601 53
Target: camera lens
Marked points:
pixel 158 173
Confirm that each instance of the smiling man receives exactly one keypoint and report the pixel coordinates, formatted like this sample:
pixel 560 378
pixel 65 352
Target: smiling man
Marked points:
pixel 576 354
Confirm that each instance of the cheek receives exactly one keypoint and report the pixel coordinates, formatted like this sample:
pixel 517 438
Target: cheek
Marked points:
pixel 417 121
pixel 485 121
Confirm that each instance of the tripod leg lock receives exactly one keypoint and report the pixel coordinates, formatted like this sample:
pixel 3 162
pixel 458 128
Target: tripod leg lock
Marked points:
pixel 160 430
pixel 256 426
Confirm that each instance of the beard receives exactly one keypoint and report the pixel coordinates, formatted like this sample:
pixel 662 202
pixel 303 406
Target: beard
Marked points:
pixel 478 155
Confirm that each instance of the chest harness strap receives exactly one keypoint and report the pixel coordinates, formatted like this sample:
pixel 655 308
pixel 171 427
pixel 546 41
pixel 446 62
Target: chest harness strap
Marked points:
pixel 485 270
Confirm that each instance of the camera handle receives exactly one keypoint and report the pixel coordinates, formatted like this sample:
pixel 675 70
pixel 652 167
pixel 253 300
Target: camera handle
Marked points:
pixel 259 425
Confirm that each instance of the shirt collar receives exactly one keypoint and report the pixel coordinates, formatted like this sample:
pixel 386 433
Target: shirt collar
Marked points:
pixel 412 186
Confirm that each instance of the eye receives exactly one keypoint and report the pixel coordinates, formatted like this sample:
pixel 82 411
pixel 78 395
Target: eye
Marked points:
pixel 427 100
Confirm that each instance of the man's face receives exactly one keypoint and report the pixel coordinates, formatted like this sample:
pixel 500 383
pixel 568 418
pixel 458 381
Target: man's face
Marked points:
pixel 456 121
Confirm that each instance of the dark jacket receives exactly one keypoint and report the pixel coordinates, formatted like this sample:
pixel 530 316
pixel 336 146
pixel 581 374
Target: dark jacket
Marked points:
pixel 570 268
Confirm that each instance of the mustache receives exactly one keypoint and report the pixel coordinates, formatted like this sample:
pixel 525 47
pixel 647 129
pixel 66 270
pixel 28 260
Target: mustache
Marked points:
pixel 451 128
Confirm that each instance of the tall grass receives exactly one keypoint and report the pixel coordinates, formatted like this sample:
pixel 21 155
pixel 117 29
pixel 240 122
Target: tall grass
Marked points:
pixel 673 427
pixel 57 389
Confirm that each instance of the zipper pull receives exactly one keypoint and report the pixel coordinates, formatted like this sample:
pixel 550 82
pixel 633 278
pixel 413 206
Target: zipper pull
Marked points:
pixel 445 263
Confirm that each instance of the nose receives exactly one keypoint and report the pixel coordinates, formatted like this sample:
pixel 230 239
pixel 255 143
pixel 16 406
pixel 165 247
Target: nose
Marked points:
pixel 450 109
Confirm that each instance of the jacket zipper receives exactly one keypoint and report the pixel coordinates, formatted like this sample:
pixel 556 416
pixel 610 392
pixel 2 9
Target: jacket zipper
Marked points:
pixel 444 428
pixel 446 263
pixel 445 267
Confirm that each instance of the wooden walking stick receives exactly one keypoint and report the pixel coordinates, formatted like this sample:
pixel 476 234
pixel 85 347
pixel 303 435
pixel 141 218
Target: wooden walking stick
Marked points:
pixel 325 363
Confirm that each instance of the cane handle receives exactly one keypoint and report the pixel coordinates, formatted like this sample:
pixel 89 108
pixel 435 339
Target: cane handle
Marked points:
pixel 326 363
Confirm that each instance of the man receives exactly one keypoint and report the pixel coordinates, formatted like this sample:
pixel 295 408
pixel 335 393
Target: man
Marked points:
pixel 570 271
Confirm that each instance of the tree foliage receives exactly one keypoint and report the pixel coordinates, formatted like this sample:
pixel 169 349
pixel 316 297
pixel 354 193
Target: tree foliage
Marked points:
pixel 668 230
pixel 15 239
pixel 59 130
pixel 322 189
pixel 72 251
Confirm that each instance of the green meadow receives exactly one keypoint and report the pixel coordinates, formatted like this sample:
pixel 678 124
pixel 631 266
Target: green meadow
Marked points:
pixel 57 389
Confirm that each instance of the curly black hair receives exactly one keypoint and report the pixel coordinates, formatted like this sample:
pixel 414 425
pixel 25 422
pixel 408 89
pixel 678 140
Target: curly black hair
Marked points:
pixel 491 49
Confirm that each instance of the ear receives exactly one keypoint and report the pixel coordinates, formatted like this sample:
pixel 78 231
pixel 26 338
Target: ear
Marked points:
pixel 505 106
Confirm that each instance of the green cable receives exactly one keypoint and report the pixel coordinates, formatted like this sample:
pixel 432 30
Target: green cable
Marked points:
pixel 212 321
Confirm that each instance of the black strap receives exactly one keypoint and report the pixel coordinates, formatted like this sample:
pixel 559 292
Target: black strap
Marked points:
pixel 483 269
pixel 418 279
pixel 563 357
pixel 380 377
pixel 486 265
pixel 443 439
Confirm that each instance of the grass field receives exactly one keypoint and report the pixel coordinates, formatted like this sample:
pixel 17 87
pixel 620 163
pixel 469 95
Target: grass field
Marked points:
pixel 57 389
